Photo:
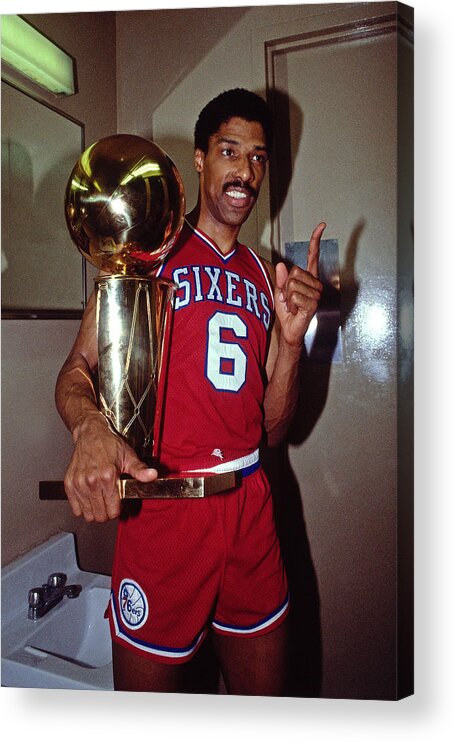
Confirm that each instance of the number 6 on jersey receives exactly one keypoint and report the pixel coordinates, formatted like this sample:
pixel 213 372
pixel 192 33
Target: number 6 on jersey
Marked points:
pixel 226 362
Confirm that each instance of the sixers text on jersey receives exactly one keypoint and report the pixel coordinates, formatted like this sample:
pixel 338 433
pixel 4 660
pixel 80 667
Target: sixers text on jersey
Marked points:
pixel 223 286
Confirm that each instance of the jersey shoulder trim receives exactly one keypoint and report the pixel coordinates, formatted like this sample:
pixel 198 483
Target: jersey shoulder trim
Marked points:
pixel 265 273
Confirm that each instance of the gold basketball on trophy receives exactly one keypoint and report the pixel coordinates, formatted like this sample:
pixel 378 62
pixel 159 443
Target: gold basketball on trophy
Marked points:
pixel 125 205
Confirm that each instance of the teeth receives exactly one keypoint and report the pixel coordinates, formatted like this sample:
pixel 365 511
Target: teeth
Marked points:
pixel 236 194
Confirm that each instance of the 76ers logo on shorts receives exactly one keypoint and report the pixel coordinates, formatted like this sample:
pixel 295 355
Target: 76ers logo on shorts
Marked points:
pixel 133 604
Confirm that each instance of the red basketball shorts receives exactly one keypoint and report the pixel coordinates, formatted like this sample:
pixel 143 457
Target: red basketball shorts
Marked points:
pixel 183 566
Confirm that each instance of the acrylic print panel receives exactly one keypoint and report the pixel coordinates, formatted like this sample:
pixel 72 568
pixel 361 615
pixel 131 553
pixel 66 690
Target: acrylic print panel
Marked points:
pixel 339 479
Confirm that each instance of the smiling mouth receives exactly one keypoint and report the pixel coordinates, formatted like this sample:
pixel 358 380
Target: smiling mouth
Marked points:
pixel 239 193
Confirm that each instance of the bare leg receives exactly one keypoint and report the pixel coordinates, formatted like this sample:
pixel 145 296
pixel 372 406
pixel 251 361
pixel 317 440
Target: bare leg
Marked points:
pixel 254 666
pixel 135 673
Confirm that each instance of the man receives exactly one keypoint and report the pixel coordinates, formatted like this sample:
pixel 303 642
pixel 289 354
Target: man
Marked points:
pixel 182 567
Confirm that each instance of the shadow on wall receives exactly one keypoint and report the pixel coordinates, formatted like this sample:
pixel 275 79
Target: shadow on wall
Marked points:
pixel 285 109
pixel 165 34
pixel 306 659
pixel 306 640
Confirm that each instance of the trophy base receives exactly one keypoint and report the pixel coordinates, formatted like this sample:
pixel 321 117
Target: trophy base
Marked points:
pixel 175 486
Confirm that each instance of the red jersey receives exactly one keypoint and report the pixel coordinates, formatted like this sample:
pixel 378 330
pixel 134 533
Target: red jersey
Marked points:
pixel 213 410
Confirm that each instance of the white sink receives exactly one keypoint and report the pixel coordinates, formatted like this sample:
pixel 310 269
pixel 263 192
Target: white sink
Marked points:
pixel 69 647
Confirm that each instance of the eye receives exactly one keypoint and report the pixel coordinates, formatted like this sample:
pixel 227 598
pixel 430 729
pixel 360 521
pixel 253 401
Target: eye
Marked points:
pixel 228 152
pixel 259 157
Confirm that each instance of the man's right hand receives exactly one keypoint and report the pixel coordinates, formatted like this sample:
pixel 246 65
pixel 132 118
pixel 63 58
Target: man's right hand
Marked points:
pixel 100 456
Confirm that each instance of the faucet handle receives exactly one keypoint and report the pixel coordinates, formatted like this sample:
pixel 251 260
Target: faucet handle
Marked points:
pixel 56 579
pixel 73 591
pixel 36 597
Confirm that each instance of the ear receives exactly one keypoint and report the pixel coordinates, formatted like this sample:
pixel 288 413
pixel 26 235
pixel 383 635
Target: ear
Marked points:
pixel 199 157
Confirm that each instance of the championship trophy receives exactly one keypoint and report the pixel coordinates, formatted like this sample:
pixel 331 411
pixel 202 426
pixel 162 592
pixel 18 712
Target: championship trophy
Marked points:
pixel 124 208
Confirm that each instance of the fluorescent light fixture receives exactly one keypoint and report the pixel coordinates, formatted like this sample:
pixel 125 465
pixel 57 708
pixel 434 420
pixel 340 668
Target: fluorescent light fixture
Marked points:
pixel 33 55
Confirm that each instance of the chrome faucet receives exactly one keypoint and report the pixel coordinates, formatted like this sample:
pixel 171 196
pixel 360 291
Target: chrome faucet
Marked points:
pixel 42 599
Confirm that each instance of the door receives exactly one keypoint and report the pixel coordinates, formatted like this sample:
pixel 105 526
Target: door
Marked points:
pixel 337 158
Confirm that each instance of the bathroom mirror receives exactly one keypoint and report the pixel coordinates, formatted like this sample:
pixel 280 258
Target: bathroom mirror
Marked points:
pixel 43 274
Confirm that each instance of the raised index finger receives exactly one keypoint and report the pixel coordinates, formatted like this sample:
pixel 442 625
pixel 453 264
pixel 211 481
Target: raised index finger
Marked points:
pixel 313 250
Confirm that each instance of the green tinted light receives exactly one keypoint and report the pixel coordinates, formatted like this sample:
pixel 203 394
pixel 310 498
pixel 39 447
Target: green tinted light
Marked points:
pixel 30 53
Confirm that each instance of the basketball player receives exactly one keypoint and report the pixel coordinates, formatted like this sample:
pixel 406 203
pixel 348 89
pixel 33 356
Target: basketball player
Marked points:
pixel 184 567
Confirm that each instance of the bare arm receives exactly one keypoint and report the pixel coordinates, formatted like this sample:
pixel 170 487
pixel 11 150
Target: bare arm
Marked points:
pixel 74 393
pixel 91 481
pixel 297 294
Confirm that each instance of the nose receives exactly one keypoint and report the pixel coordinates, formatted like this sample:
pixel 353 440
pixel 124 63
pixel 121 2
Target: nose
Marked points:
pixel 244 170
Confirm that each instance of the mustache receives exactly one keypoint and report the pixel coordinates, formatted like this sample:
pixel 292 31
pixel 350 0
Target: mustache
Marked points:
pixel 240 184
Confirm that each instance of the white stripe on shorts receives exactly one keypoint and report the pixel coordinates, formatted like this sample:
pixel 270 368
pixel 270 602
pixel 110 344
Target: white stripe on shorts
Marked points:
pixel 152 648
pixel 268 621
pixel 242 463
